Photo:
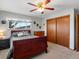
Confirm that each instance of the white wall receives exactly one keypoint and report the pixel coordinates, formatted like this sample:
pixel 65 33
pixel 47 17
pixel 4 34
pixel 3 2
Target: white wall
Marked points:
pixel 38 21
pixel 58 14
pixel 4 15
pixel 41 22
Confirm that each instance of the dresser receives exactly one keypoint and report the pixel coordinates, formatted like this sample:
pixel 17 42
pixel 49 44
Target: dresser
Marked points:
pixel 39 33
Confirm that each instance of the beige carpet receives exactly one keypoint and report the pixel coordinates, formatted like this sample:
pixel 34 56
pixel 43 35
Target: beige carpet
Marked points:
pixel 3 53
pixel 54 52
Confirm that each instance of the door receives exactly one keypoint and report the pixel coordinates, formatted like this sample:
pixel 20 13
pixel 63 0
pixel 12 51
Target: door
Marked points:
pixel 51 30
pixel 63 30
pixel 77 32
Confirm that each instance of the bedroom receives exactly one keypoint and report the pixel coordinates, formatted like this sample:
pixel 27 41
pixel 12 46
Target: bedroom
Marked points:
pixel 18 11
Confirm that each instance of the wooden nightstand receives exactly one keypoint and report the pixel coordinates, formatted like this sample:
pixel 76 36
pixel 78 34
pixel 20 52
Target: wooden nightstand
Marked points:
pixel 4 44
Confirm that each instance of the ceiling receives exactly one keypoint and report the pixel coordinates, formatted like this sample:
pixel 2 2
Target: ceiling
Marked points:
pixel 21 6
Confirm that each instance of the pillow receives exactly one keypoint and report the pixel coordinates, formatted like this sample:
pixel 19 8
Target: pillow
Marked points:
pixel 14 34
pixel 20 34
pixel 26 33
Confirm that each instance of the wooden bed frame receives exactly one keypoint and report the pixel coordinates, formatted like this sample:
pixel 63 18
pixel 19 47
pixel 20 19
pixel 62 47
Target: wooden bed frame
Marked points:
pixel 26 48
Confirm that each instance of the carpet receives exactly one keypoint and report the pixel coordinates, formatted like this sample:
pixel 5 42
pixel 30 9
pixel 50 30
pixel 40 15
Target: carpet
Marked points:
pixel 55 51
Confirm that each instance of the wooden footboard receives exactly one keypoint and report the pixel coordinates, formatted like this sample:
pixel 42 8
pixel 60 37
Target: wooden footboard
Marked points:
pixel 26 48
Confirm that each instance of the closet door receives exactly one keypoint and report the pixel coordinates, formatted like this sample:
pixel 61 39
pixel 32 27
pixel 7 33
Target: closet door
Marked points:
pixel 63 30
pixel 51 30
pixel 77 32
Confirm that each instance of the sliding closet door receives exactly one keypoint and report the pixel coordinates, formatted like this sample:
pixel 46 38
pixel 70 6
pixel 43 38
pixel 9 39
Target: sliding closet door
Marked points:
pixel 77 32
pixel 60 31
pixel 63 30
pixel 51 30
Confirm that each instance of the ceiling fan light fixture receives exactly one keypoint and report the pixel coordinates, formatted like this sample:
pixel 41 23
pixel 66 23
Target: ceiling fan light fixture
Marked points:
pixel 40 10
pixel 41 6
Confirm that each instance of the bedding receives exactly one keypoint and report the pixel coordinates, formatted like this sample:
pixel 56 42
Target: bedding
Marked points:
pixel 22 33
pixel 20 38
pixel 23 37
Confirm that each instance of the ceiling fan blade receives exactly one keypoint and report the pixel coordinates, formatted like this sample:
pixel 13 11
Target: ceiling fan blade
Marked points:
pixel 46 1
pixel 49 8
pixel 33 10
pixel 31 4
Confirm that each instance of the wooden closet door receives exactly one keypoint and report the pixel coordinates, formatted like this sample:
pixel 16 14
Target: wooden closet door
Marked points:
pixel 51 30
pixel 63 30
pixel 77 32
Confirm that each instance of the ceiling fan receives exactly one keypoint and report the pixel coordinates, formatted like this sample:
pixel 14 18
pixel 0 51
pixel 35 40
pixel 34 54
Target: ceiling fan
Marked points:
pixel 41 6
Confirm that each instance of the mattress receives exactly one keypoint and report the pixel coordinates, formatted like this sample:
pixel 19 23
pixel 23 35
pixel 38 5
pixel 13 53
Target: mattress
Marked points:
pixel 23 37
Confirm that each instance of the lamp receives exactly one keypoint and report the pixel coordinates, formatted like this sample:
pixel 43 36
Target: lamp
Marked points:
pixel 1 34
